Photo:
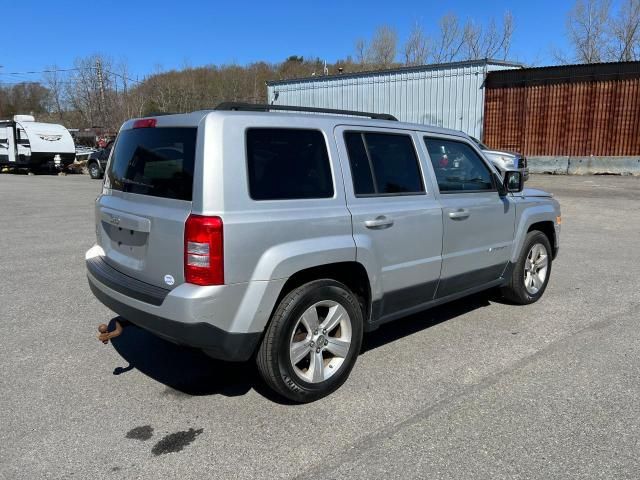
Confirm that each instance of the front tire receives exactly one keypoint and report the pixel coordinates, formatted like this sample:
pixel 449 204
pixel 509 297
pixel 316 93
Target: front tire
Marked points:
pixel 530 276
pixel 94 171
pixel 312 342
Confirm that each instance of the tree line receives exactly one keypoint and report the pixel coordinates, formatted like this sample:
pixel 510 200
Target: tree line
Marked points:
pixel 98 91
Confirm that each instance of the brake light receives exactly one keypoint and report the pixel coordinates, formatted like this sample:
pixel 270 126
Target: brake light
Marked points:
pixel 145 123
pixel 203 250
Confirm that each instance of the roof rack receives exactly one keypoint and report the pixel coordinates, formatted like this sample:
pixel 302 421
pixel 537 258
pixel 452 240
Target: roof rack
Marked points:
pixel 254 107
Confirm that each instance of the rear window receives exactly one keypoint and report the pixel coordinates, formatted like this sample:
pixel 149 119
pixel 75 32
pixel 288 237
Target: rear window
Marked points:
pixel 154 161
pixel 383 164
pixel 287 163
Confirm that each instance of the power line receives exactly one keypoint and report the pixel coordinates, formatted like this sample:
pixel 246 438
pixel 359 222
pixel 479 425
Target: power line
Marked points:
pixel 40 71
pixel 33 82
pixel 56 70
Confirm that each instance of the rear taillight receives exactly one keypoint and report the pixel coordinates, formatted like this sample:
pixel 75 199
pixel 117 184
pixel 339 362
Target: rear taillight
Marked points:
pixel 145 123
pixel 203 250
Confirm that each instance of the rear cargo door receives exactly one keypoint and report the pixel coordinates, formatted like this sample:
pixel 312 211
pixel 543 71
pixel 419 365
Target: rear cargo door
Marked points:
pixel 147 198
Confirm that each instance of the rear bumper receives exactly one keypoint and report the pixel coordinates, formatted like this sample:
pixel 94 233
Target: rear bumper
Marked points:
pixel 187 315
pixel 216 342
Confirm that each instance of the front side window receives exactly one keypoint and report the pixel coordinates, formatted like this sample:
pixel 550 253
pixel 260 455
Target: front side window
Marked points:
pixel 383 164
pixel 287 164
pixel 458 167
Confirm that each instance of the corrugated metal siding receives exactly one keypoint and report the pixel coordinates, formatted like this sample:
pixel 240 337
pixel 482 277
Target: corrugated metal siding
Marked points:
pixel 445 96
pixel 564 114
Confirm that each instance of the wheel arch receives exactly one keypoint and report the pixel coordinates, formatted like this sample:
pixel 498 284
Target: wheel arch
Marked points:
pixel 540 217
pixel 546 227
pixel 353 274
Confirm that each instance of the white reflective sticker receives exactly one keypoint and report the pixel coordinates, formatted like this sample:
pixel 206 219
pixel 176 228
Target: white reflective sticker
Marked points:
pixel 169 280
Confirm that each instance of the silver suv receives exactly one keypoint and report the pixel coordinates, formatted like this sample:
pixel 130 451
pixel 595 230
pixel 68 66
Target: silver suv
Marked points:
pixel 283 237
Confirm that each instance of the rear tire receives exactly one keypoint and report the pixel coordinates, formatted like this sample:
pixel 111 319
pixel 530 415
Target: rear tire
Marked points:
pixel 312 342
pixel 94 171
pixel 530 276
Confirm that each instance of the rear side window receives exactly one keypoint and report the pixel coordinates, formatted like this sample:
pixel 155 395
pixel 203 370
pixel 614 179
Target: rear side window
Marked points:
pixel 287 164
pixel 154 161
pixel 458 167
pixel 383 164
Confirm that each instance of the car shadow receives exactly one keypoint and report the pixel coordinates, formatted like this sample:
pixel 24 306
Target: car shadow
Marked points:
pixel 182 369
pixel 189 372
pixel 403 327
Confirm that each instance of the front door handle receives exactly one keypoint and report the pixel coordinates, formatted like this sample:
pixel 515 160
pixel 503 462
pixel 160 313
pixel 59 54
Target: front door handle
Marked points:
pixel 379 222
pixel 459 214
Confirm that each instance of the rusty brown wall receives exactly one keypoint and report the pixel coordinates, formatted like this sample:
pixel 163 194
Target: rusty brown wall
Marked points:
pixel 598 117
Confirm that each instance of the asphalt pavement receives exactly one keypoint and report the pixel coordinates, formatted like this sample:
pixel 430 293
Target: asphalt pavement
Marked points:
pixel 474 389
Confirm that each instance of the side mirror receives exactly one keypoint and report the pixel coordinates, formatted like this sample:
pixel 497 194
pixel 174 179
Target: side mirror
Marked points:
pixel 513 181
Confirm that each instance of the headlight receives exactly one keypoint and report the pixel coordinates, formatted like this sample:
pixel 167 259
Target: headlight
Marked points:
pixel 508 162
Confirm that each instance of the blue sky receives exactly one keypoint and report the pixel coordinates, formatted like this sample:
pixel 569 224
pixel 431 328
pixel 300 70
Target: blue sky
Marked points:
pixel 170 34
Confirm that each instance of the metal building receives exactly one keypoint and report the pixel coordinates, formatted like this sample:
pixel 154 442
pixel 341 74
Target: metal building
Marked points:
pixel 448 95
pixel 569 110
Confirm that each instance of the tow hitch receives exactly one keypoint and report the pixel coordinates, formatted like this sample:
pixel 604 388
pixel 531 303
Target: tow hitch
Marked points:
pixel 105 335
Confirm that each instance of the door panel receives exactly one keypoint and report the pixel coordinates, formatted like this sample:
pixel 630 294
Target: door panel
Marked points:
pixel 406 255
pixel 478 223
pixel 477 246
pixel 398 235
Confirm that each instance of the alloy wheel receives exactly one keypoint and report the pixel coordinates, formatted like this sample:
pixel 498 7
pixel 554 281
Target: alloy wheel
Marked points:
pixel 535 268
pixel 320 341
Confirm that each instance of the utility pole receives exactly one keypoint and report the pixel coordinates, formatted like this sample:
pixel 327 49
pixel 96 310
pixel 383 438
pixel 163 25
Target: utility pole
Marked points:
pixel 101 87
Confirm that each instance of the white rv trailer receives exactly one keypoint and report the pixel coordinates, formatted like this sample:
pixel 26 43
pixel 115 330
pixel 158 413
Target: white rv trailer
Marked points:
pixel 25 143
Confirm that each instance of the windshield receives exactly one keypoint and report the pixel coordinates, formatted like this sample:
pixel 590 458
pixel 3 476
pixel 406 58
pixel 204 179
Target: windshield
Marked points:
pixel 154 161
pixel 480 144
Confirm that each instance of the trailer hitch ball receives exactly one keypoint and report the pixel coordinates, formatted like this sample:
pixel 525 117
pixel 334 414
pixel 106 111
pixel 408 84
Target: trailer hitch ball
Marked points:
pixel 105 335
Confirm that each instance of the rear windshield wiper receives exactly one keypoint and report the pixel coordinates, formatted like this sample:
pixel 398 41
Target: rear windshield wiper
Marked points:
pixel 133 182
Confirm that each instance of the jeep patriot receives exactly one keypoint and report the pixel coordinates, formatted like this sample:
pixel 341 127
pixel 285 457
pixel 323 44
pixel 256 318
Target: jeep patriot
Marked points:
pixel 283 236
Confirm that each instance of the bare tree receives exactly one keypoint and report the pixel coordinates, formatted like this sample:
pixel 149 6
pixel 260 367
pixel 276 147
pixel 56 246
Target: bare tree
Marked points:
pixel 560 56
pixel 449 40
pixel 624 29
pixel 508 26
pixel 82 91
pixel 383 48
pixel 55 85
pixel 472 39
pixel 361 51
pixel 488 42
pixel 497 41
pixel 587 25
pixel 416 50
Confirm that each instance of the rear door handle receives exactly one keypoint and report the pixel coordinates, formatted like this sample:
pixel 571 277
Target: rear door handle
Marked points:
pixel 379 223
pixel 459 214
